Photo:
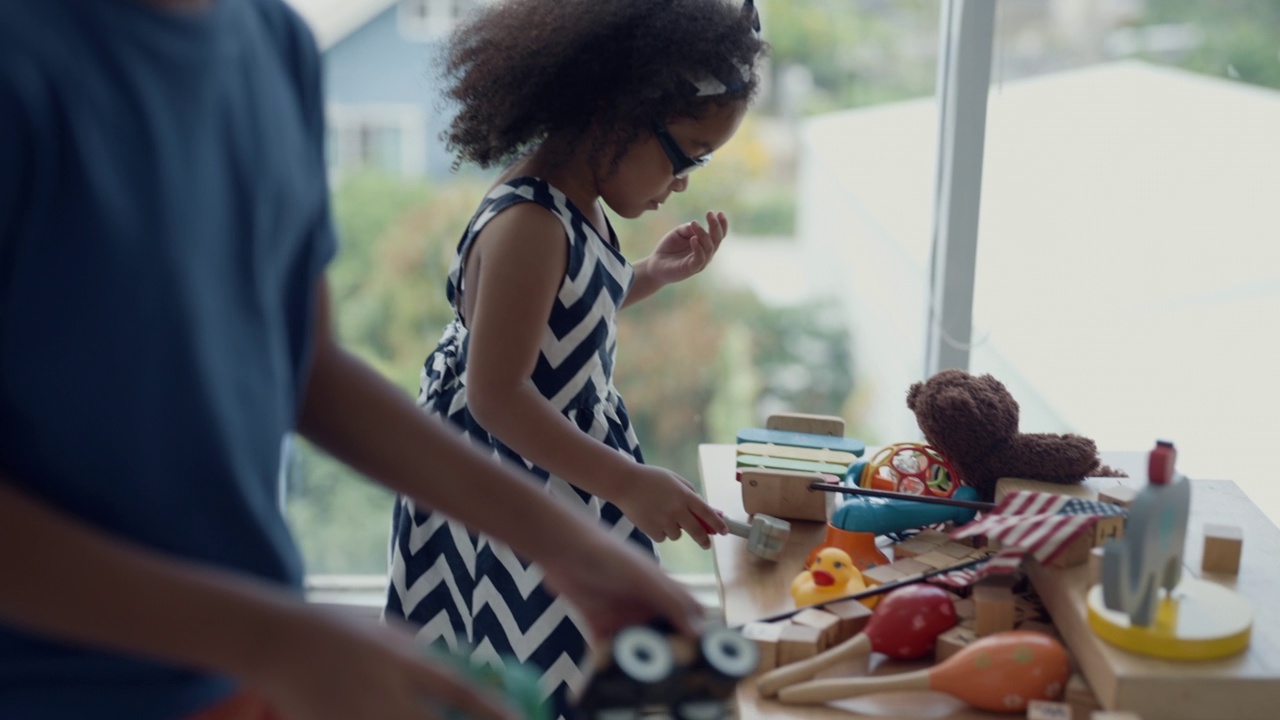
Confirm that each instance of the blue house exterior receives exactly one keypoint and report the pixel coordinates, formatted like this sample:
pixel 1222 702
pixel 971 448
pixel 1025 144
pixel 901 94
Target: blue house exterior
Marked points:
pixel 381 63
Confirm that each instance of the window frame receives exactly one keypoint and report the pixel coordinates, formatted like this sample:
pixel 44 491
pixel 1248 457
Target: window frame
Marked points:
pixel 966 38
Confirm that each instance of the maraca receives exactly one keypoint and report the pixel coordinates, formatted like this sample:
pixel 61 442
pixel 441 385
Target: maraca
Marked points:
pixel 905 624
pixel 999 673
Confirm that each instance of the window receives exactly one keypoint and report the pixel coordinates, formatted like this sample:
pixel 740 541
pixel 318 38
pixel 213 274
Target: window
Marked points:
pixel 1124 284
pixel 765 330
pixel 385 138
pixel 429 20
pixel 1127 282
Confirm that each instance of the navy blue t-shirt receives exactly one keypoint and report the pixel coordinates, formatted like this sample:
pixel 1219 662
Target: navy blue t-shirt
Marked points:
pixel 163 222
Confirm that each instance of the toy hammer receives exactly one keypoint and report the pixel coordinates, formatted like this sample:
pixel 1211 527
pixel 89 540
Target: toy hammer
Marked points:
pixel 766 535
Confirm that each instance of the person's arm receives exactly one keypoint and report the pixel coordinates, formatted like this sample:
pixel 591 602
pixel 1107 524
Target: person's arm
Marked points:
pixel 363 420
pixel 680 254
pixel 128 599
pixel 515 270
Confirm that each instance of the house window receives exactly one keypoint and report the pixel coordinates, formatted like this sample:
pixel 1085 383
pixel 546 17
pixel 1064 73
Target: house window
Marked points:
pixel 427 20
pixel 390 139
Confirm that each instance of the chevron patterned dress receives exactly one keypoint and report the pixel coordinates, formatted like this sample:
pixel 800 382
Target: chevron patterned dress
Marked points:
pixel 469 591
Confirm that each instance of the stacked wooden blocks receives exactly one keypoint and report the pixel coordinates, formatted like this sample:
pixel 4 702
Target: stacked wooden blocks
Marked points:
pixel 806 633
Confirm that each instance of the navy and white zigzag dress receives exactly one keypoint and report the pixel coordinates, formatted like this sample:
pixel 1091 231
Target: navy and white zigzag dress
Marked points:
pixel 471 591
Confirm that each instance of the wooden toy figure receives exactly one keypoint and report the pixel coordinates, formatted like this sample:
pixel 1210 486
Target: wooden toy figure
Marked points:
pixel 831 575
pixel 1149 557
pixel 1144 603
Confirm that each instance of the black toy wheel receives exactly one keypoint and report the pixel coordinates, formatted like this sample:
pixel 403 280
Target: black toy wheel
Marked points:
pixel 643 654
pixel 729 653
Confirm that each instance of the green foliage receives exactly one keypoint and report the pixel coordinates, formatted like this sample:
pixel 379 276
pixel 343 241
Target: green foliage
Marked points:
pixel 856 58
pixel 1243 35
pixel 397 241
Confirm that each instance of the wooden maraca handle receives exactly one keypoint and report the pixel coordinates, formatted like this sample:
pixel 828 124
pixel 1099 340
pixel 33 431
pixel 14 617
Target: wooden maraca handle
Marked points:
pixel 820 691
pixel 778 678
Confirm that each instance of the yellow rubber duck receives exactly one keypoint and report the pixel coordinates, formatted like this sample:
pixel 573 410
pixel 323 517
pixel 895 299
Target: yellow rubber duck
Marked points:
pixel 831 575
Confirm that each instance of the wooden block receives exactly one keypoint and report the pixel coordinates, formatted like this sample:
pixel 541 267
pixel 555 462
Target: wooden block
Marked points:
pixel 1095 566
pixel 797 642
pixel 1114 715
pixel 834 457
pixel 796 439
pixel 956 550
pixel 930 535
pixel 965 609
pixel 1004 486
pixel 1222 545
pixel 910 566
pixel 881 575
pixel 825 622
pixel 912 547
pixel 1107 528
pixel 952 641
pixel 937 560
pixel 785 494
pixel 993 610
pixel 766 637
pixel 1076 553
pixel 1080 696
pixel 805 423
pixel 1045 710
pixel 853 617
pixel 1118 495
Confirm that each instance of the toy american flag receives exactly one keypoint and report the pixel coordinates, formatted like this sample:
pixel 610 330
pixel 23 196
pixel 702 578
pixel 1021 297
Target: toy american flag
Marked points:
pixel 1026 522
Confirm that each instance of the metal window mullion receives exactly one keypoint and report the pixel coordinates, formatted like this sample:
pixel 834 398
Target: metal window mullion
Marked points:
pixel 964 76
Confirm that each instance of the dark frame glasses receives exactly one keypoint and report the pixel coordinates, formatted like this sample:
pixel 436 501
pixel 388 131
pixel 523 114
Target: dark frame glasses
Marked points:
pixel 681 163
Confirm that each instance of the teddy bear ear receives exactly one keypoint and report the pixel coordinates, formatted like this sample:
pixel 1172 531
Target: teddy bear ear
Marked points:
pixel 913 394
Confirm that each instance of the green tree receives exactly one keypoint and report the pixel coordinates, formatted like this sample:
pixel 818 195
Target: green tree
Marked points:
pixel 397 240
pixel 1240 37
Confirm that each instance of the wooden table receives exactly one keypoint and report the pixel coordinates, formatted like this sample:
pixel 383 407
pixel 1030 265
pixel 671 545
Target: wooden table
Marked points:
pixel 751 588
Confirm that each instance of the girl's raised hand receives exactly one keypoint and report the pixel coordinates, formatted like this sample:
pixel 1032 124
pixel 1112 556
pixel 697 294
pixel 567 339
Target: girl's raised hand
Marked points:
pixel 688 249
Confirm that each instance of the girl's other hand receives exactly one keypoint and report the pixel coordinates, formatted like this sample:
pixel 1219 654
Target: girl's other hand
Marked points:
pixel 317 666
pixel 663 505
pixel 688 249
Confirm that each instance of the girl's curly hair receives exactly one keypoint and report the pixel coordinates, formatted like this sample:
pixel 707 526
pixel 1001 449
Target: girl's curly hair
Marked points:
pixel 522 70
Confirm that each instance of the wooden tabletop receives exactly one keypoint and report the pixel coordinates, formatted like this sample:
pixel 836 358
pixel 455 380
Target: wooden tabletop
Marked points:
pixel 751 589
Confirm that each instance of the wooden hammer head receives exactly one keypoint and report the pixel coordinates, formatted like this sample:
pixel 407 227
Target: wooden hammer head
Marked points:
pixel 768 536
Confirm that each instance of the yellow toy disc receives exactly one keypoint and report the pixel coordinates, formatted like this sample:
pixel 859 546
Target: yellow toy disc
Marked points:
pixel 1197 621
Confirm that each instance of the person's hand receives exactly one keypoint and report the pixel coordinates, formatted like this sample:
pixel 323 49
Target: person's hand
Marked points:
pixel 664 505
pixel 687 250
pixel 614 584
pixel 322 667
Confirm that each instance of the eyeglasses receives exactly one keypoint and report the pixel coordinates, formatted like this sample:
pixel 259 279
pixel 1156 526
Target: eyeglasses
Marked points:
pixel 681 163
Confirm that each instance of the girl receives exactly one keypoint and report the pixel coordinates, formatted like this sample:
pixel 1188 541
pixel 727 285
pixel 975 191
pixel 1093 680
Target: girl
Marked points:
pixel 592 103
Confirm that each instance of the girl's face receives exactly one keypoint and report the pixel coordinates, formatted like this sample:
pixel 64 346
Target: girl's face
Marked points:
pixel 645 178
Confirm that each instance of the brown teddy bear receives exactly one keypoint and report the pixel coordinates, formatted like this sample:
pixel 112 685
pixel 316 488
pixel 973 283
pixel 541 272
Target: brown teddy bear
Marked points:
pixel 973 421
